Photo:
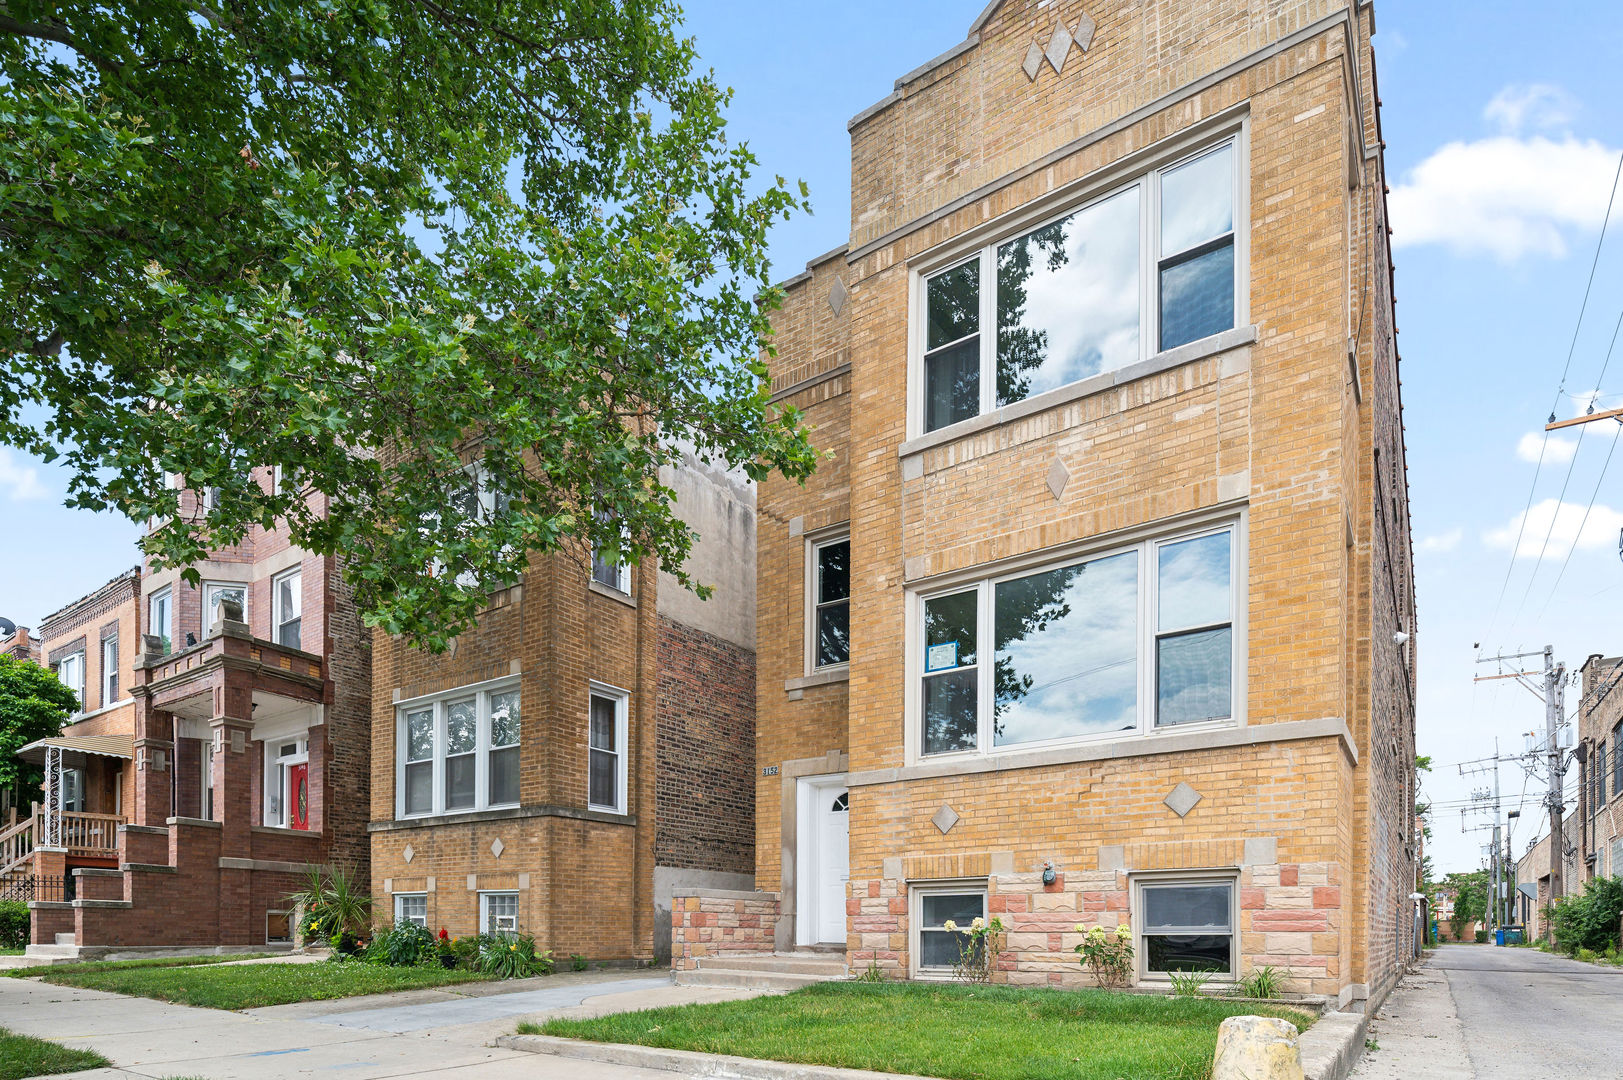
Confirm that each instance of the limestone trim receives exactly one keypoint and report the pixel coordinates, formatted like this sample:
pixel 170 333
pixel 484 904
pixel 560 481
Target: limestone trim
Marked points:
pixel 616 595
pixel 510 814
pixel 826 677
pixel 722 894
pixel 275 865
pixel 1239 337
pixel 1171 742
pixel 1342 18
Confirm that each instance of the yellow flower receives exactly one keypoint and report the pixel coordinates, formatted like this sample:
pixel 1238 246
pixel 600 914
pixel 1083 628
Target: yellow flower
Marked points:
pixel 978 923
pixel 512 948
pixel 1124 931
pixel 949 925
pixel 1081 929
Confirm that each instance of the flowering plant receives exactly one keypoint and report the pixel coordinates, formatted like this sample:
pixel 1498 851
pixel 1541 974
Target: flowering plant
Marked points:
pixel 1108 954
pixel 978 946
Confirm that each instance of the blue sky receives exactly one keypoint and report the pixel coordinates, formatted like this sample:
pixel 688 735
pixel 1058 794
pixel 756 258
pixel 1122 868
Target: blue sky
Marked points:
pixel 1501 147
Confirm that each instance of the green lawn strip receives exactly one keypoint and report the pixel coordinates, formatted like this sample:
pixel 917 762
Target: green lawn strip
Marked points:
pixel 253 986
pixel 23 1055
pixel 957 1032
pixel 124 965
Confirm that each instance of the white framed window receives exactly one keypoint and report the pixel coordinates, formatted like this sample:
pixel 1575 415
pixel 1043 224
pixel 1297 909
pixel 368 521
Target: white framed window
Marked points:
pixel 70 672
pixel 160 616
pixel 1154 261
pixel 935 948
pixel 614 575
pixel 458 751
pixel 109 670
pixel 411 908
pixel 1136 637
pixel 1186 923
pixel 73 790
pixel 828 607
pixel 287 607
pixel 207 780
pixel 285 480
pixel 216 591
pixel 606 749
pixel 498 912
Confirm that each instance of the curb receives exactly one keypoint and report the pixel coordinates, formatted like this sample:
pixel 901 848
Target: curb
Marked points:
pixel 687 1062
pixel 1332 1045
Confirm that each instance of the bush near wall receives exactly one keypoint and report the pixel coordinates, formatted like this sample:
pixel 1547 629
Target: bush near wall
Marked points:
pixel 13 924
pixel 1589 920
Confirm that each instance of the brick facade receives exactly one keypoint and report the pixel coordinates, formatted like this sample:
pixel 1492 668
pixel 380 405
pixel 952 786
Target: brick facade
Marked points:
pixel 1289 425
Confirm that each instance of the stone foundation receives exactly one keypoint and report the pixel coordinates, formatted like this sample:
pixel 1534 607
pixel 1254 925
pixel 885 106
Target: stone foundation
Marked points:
pixel 715 922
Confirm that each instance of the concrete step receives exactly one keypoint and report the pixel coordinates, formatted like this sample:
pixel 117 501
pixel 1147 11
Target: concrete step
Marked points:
pixel 822 965
pixel 70 938
pixel 58 952
pixel 746 980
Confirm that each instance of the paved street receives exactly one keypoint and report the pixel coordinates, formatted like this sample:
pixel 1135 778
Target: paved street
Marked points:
pixel 419 1033
pixel 1475 1012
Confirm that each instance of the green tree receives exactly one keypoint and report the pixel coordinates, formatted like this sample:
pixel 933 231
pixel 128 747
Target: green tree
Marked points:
pixel 34 705
pixel 399 248
pixel 1470 891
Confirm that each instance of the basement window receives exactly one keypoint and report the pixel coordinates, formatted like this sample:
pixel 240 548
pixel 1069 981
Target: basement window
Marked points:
pixel 1186 925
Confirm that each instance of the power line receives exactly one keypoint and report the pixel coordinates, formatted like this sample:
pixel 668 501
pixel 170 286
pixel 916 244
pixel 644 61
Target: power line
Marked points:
pixel 1582 522
pixel 1560 389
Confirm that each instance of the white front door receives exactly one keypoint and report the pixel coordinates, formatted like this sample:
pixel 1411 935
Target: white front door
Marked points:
pixel 833 861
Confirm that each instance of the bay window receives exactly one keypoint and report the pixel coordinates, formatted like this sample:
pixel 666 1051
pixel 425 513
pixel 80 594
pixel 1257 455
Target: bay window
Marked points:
pixel 1077 296
pixel 458 751
pixel 1135 638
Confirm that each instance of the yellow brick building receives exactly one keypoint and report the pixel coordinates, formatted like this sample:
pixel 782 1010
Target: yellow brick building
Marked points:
pixel 1101 609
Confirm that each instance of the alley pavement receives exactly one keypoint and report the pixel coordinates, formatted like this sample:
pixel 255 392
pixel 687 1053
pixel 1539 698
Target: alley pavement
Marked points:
pixel 416 1034
pixel 1477 1012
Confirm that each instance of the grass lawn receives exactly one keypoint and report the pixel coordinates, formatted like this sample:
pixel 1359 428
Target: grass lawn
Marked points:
pixel 959 1032
pixel 251 986
pixel 124 965
pixel 21 1055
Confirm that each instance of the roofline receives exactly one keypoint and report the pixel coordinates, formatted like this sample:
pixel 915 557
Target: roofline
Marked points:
pixel 986 13
pixel 132 574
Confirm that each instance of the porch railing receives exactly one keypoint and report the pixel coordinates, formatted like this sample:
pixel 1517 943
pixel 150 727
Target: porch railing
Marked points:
pixel 83 835
pixel 25 887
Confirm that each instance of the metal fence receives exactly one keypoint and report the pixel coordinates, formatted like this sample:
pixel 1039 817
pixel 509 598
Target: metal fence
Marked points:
pixel 58 887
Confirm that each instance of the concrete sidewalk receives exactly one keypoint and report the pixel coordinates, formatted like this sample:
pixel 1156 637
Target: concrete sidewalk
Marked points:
pixel 366 1038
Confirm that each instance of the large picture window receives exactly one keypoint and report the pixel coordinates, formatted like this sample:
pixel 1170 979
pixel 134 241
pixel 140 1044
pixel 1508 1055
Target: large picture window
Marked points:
pixel 1187 926
pixel 1077 296
pixel 458 752
pixel 1135 638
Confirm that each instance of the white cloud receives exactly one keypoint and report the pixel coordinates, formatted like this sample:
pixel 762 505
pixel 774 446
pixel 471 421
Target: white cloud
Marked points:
pixel 1556 451
pixel 19 481
pixel 1599 531
pixel 1442 542
pixel 1508 196
pixel 1530 105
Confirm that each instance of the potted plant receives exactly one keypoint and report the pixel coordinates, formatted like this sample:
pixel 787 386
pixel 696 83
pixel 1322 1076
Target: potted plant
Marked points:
pixel 447 951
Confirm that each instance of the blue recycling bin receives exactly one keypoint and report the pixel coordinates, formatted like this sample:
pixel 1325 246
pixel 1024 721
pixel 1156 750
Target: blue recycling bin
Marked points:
pixel 1499 936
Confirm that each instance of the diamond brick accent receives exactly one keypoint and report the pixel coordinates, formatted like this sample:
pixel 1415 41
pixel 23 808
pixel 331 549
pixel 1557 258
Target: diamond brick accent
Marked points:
pixel 1084 33
pixel 1058 477
pixel 497 847
pixel 1033 62
pixel 1059 47
pixel 1182 799
pixel 837 294
pixel 945 818
pixel 408 854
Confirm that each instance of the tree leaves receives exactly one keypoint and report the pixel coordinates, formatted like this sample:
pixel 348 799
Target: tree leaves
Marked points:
pixel 374 242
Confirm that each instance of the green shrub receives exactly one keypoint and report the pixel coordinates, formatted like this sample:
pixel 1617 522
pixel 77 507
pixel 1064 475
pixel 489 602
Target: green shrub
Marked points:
pixel 13 924
pixel 336 908
pixel 1481 937
pixel 1188 983
pixel 404 945
pixel 512 957
pixel 578 962
pixel 1264 982
pixel 1588 921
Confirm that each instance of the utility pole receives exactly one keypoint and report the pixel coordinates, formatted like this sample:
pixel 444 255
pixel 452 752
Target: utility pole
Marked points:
pixel 1553 704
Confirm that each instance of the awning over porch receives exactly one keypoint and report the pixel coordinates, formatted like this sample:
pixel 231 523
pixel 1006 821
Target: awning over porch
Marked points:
pixel 113 746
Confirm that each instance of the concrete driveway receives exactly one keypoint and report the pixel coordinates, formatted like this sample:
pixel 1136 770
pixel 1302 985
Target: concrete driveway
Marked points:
pixel 1477 1012
pixel 418 1033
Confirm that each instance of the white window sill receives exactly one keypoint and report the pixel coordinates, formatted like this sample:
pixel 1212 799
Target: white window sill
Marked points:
pixel 1019 410
pixel 822 677
pixel 612 593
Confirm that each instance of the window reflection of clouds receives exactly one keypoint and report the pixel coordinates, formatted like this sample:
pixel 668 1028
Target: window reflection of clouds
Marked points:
pixel 1197 201
pixel 1078 674
pixel 1194 582
pixel 1195 677
pixel 1080 314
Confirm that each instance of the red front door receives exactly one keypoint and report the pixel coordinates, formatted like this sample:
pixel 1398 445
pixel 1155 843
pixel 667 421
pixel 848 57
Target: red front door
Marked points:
pixel 298 783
